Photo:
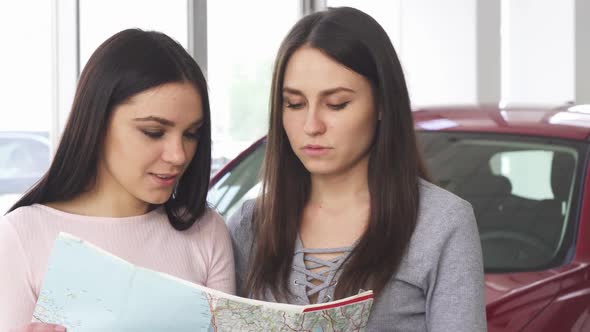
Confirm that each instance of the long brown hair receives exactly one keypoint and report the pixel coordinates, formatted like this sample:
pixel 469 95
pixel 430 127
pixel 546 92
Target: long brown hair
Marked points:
pixel 126 64
pixel 357 41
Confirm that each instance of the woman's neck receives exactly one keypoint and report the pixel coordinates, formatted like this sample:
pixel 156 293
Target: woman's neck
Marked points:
pixel 338 193
pixel 338 210
pixel 101 203
pixel 341 189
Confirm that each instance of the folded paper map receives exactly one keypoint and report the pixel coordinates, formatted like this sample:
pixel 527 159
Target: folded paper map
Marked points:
pixel 88 289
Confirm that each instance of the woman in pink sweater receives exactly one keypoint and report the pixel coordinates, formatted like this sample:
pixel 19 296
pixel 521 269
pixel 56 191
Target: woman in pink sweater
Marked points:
pixel 130 175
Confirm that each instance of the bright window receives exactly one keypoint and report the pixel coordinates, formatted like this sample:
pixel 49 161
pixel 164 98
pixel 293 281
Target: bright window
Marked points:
pixel 242 45
pixel 26 90
pixel 101 19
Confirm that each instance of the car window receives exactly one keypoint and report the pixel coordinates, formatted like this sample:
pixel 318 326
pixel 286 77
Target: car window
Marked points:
pixel 24 158
pixel 520 190
pixel 526 181
pixel 237 185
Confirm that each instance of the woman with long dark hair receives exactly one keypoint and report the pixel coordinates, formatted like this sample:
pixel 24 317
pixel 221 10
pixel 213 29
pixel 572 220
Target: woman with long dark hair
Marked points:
pixel 130 174
pixel 346 204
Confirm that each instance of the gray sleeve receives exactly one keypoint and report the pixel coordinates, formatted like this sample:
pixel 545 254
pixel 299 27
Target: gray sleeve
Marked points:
pixel 240 230
pixel 456 296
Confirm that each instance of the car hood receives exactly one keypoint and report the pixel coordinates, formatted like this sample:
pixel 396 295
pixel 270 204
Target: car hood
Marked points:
pixel 499 286
pixel 513 299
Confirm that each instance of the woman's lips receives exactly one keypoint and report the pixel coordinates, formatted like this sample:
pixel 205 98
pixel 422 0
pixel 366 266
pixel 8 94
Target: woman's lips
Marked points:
pixel 316 150
pixel 164 179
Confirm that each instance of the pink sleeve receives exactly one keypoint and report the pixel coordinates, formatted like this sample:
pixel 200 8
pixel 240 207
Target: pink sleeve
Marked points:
pixel 17 298
pixel 221 269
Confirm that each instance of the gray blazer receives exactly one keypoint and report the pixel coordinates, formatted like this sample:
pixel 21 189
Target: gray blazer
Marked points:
pixel 439 285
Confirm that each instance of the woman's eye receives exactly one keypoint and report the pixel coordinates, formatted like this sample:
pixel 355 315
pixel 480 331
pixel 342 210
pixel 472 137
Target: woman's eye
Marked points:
pixel 153 134
pixel 294 106
pixel 338 107
pixel 193 136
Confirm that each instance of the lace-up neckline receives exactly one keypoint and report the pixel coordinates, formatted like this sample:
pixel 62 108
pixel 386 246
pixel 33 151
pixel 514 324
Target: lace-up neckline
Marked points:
pixel 324 275
pixel 307 264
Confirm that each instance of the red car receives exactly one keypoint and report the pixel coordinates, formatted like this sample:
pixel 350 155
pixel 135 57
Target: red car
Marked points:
pixel 526 173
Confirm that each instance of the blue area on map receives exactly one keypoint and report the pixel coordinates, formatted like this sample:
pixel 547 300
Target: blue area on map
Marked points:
pixel 88 290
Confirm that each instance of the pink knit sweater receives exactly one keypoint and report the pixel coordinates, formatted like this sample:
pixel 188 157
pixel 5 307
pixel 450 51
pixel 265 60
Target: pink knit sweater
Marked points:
pixel 201 255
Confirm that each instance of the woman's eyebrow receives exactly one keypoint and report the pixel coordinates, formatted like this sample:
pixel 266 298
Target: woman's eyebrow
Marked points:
pixel 323 93
pixel 292 91
pixel 166 122
pixel 158 119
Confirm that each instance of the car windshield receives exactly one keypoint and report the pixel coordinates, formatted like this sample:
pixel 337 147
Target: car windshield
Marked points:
pixel 523 192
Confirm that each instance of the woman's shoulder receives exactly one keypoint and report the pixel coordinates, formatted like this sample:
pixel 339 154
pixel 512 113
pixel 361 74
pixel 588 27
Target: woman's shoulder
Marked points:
pixel 440 208
pixel 240 224
pixel 441 215
pixel 27 226
pixel 210 222
pixel 26 216
pixel 241 220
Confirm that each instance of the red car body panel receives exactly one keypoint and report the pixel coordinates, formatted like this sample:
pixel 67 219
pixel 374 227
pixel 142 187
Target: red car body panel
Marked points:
pixel 557 299
pixel 558 122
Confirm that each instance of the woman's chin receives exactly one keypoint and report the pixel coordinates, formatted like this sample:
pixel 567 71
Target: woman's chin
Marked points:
pixel 158 200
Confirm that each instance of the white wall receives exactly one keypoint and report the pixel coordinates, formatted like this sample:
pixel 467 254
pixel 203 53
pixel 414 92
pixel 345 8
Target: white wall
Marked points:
pixel 25 65
pixel 438 50
pixel 489 51
pixel 537 51
pixel 489 47
pixel 386 12
pixel 582 72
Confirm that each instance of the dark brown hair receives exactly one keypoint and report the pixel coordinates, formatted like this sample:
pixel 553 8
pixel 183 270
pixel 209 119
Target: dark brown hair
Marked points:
pixel 126 64
pixel 355 40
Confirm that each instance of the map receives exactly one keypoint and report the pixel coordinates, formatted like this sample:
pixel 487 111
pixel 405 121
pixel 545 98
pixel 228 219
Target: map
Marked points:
pixel 88 289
